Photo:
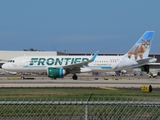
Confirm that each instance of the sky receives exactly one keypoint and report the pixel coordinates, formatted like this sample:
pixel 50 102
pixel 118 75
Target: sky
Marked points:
pixel 107 26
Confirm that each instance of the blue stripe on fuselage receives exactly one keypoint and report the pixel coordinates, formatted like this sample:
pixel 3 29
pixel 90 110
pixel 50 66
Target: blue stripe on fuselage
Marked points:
pixel 100 67
pixel 106 67
pixel 34 66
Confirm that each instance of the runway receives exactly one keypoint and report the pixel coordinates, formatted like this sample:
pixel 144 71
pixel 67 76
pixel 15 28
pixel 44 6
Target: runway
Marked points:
pixel 98 82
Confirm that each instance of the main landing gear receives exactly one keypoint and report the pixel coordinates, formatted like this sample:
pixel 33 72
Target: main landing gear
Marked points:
pixel 22 76
pixel 74 77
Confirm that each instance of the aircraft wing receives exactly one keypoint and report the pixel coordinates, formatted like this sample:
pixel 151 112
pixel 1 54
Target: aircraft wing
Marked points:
pixel 81 64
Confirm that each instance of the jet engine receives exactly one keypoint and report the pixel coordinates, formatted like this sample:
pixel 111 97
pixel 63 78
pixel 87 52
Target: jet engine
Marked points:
pixel 55 72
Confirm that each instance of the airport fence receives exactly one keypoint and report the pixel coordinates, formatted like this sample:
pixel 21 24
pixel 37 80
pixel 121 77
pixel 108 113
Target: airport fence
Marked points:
pixel 80 110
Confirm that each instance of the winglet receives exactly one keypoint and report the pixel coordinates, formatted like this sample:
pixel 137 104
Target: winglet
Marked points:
pixel 95 55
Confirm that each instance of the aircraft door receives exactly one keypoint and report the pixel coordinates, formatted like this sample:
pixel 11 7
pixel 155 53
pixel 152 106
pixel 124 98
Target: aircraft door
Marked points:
pixel 24 64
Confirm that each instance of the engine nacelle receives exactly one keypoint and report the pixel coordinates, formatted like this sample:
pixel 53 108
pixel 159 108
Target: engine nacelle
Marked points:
pixel 56 72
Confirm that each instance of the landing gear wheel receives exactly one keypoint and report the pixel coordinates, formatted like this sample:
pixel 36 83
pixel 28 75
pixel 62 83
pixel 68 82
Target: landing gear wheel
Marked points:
pixel 22 77
pixel 74 77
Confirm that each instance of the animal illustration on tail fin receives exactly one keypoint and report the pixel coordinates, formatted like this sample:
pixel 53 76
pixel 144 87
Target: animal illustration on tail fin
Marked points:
pixel 139 49
pixel 142 47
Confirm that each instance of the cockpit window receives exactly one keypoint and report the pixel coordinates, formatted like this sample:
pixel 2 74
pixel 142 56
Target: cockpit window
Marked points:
pixel 11 61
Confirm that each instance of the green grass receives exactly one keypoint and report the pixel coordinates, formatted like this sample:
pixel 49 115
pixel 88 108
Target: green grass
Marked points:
pixel 73 94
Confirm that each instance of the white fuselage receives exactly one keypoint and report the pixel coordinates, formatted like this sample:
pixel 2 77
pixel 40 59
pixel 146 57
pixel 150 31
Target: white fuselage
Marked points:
pixel 41 63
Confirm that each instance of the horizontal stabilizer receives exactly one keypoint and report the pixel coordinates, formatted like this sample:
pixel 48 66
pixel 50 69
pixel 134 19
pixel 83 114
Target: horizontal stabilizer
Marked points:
pixel 147 60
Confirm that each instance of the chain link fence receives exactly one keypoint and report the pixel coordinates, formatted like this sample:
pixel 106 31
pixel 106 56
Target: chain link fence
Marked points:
pixel 80 110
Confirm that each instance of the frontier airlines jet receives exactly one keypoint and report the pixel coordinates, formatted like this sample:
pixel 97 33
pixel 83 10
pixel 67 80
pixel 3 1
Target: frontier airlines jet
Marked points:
pixel 59 66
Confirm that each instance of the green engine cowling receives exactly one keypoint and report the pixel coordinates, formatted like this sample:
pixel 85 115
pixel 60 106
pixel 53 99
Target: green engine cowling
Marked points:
pixel 56 72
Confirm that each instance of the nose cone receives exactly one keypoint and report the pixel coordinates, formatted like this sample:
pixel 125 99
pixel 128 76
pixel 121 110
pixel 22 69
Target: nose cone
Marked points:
pixel 5 67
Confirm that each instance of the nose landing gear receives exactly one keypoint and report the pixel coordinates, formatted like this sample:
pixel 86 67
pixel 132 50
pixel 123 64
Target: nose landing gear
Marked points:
pixel 22 76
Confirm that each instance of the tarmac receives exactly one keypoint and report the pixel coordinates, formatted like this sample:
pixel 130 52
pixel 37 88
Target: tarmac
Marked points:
pixel 104 82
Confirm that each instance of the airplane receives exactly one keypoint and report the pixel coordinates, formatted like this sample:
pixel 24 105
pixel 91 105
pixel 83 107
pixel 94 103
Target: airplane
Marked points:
pixel 59 66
